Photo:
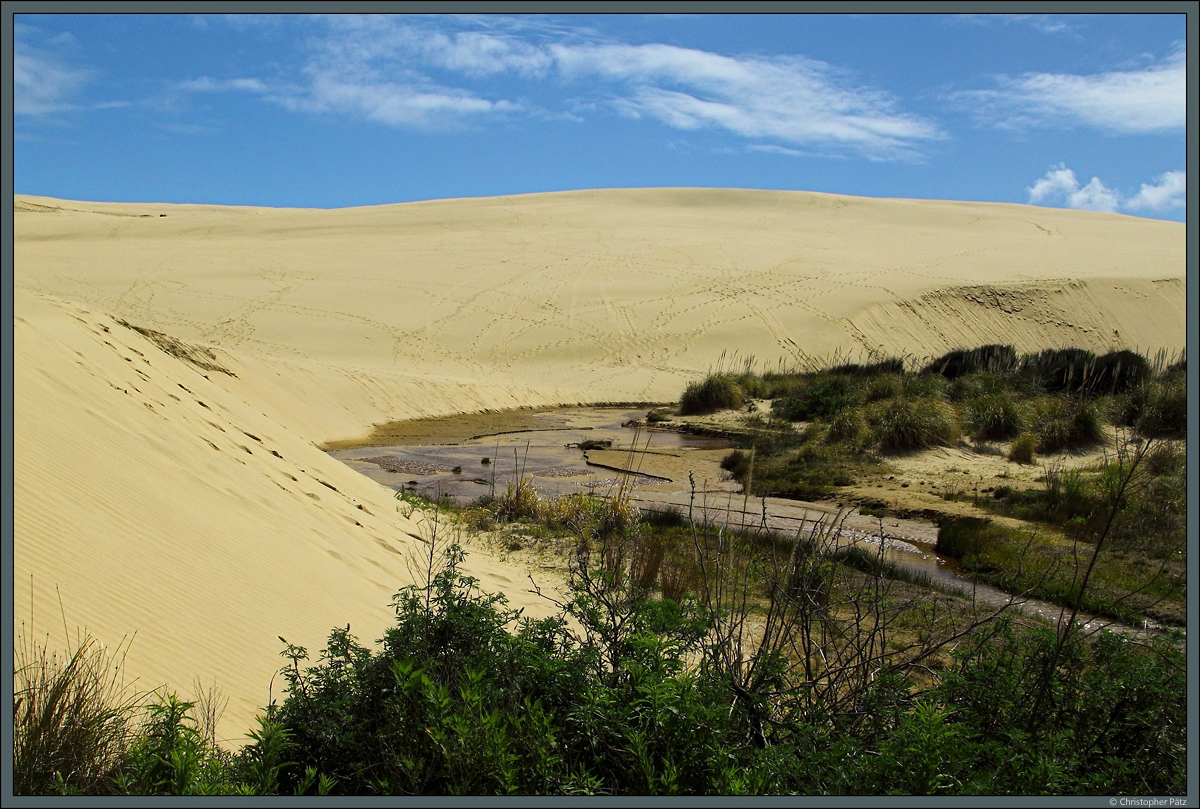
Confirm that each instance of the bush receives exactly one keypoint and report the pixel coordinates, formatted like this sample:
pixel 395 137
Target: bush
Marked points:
pixel 901 424
pixel 822 397
pixel 1058 370
pixel 994 416
pixel 716 392
pixel 171 757
pixel 989 358
pixel 1065 423
pixel 1023 448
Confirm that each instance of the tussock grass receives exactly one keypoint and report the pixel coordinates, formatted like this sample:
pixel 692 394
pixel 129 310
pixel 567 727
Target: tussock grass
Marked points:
pixel 1066 423
pixel 717 392
pixel 1023 449
pixel 994 416
pixel 991 358
pixel 914 423
pixel 72 716
pixel 1158 408
pixel 850 427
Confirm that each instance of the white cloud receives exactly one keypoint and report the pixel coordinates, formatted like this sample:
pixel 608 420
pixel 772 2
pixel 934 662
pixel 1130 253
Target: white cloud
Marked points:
pixel 394 104
pixel 205 84
pixel 409 73
pixel 798 101
pixel 1148 100
pixel 1167 192
pixel 43 81
pixel 1056 182
pixel 1060 185
pixel 1044 23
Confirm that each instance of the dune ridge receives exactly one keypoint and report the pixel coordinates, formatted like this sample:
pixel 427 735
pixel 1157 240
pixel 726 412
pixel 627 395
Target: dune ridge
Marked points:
pixel 194 506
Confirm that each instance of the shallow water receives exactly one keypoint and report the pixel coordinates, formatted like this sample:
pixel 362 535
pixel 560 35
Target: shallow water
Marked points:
pixel 547 451
pixel 545 446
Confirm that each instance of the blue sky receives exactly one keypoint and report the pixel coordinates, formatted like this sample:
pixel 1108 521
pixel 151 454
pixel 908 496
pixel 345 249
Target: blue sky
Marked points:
pixel 332 111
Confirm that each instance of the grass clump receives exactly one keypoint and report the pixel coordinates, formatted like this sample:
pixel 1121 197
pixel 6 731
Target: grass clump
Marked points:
pixel 959 362
pixel 717 392
pixel 850 427
pixel 912 423
pixel 1066 423
pixel 658 415
pixel 1023 449
pixel 72 718
pixel 1157 408
pixel 822 396
pixel 994 416
pixel 1060 370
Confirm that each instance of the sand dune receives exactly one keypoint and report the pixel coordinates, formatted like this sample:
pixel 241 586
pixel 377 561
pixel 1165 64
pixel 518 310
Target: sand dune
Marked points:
pixel 176 374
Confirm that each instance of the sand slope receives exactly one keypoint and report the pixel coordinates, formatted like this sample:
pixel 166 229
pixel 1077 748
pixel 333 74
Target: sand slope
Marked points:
pixel 165 496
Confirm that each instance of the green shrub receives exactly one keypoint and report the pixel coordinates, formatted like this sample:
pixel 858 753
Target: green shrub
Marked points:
pixel 822 397
pixel 1023 449
pixel 850 427
pixel 959 362
pixel 901 424
pixel 171 756
pixel 716 392
pixel 1067 423
pixel 994 416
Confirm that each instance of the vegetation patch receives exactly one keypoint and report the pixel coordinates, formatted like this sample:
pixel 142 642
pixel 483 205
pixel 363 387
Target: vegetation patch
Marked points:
pixel 199 356
pixel 717 392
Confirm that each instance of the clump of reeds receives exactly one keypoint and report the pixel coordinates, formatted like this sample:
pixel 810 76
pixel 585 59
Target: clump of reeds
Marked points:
pixel 994 416
pixel 959 362
pixel 913 423
pixel 1066 423
pixel 1023 449
pixel 72 717
pixel 717 392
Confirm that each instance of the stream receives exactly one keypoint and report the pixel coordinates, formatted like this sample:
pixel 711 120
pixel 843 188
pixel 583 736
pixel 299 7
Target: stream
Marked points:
pixel 594 449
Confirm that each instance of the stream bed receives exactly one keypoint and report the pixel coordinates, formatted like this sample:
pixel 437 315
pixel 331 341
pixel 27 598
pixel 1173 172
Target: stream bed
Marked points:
pixel 597 449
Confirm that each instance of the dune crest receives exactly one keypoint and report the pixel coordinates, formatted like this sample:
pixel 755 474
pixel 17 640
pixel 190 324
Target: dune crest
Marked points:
pixel 177 368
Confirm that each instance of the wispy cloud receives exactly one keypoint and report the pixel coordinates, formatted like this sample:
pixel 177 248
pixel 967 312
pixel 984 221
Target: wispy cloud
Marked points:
pixel 1147 100
pixel 1043 23
pixel 206 84
pixel 394 104
pixel 415 74
pixel 44 81
pixel 1060 185
pixel 791 100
